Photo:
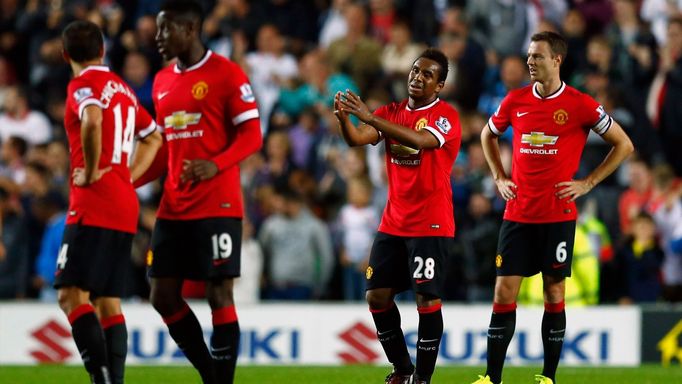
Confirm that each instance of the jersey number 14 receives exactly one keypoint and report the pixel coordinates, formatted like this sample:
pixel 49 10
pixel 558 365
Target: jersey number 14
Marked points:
pixel 123 137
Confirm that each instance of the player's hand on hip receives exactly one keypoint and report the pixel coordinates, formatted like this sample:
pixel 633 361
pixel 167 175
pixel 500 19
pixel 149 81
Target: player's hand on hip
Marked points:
pixel 572 189
pixel 80 179
pixel 351 103
pixel 507 188
pixel 197 170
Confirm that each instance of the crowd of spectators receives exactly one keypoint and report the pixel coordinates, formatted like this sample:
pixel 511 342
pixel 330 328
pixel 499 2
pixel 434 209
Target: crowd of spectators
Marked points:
pixel 313 203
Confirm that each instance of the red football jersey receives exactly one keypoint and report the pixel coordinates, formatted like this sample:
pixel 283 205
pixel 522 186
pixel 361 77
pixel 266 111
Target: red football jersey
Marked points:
pixel 419 189
pixel 200 109
pixel 110 202
pixel 549 137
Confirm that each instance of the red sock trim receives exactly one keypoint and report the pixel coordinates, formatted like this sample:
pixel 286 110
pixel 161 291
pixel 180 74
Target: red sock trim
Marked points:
pixel 381 310
pixel 81 310
pixel 504 308
pixel 177 316
pixel 430 309
pixel 224 315
pixel 555 307
pixel 113 320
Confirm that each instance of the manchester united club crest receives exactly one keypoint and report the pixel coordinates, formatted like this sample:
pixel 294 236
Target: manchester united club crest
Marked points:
pixel 150 257
pixel 498 261
pixel 560 117
pixel 369 273
pixel 199 90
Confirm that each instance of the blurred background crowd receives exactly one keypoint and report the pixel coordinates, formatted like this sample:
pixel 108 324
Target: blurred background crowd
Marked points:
pixel 313 203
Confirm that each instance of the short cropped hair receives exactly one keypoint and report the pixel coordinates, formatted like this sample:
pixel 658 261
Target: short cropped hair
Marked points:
pixel 83 41
pixel 440 58
pixel 557 43
pixel 190 9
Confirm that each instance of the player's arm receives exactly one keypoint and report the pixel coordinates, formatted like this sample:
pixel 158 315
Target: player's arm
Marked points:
pixel 145 154
pixel 248 140
pixel 621 148
pixel 491 150
pixel 91 142
pixel 354 136
pixel 423 139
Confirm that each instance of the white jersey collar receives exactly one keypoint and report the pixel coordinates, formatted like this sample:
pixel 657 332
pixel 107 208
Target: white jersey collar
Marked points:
pixel 553 95
pixel 201 62
pixel 101 68
pixel 407 106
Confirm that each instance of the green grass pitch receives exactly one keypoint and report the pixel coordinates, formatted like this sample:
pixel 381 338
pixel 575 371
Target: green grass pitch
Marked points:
pixel 57 374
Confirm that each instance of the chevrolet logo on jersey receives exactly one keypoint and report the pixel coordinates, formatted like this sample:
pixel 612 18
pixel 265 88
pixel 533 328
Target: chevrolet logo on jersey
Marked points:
pixel 538 139
pixel 181 119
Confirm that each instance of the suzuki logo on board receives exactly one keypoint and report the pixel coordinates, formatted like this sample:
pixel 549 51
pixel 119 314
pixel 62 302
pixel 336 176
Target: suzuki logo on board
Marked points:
pixel 359 339
pixel 52 338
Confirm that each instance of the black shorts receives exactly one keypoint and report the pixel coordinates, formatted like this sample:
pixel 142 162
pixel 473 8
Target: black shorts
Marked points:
pixel 202 249
pixel 409 262
pixel 94 259
pixel 525 249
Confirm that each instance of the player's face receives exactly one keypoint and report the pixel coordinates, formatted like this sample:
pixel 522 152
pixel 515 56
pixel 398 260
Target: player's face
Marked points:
pixel 541 64
pixel 422 82
pixel 172 35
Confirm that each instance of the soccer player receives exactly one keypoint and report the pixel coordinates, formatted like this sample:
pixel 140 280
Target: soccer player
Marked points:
pixel 102 117
pixel 416 233
pixel 551 122
pixel 210 120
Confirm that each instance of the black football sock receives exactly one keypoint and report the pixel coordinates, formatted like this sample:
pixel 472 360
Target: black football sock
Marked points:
pixel 225 343
pixel 390 335
pixel 89 338
pixel 429 334
pixel 553 330
pixel 185 329
pixel 116 336
pixel 500 333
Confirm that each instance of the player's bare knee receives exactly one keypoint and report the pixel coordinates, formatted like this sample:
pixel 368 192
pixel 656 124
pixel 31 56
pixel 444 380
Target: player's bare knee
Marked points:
pixel 164 303
pixel 555 289
pixel 68 298
pixel 220 298
pixel 107 307
pixel 506 292
pixel 378 299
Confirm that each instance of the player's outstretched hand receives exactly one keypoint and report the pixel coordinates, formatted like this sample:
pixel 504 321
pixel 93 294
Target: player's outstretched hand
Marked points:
pixel 80 180
pixel 340 114
pixel 197 170
pixel 351 103
pixel 507 188
pixel 572 189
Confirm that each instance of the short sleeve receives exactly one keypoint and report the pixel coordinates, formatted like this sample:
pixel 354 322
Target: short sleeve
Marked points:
pixel 241 102
pixel 444 125
pixel 144 124
pixel 500 120
pixel 83 94
pixel 596 117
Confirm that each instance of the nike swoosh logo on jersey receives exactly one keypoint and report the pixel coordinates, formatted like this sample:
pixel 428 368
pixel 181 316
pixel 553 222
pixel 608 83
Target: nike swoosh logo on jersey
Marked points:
pixel 418 281
pixel 558 265
pixel 519 114
pixel 557 330
pixel 219 262
pixel 427 341
pixel 162 95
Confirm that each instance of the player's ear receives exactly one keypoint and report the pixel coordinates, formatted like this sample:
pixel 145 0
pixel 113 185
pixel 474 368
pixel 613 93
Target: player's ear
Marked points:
pixel 559 60
pixel 439 86
pixel 101 52
pixel 66 57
